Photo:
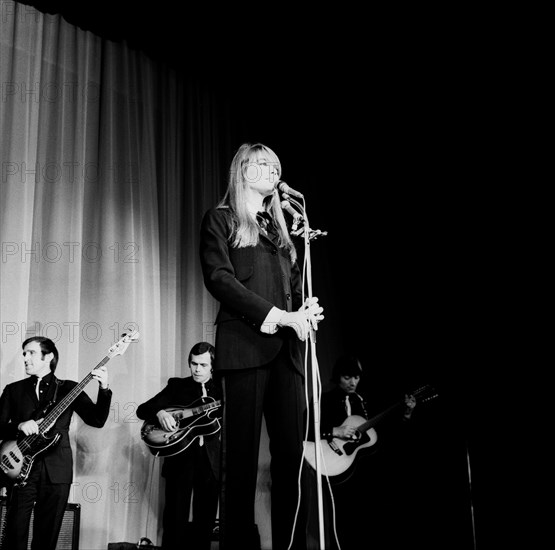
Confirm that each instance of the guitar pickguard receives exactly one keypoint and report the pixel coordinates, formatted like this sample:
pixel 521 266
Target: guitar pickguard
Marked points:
pixel 350 447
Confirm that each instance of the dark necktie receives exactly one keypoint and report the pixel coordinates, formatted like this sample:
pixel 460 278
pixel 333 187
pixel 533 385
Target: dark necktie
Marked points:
pixel 36 385
pixel 40 387
pixel 266 222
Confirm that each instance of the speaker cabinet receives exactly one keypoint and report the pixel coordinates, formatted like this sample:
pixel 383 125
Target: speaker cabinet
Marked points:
pixel 69 534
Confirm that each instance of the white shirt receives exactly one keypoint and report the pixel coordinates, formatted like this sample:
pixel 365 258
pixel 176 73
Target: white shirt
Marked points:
pixel 347 405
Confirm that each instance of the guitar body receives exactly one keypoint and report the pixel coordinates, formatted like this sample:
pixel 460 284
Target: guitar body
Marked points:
pixel 17 457
pixel 193 421
pixel 338 455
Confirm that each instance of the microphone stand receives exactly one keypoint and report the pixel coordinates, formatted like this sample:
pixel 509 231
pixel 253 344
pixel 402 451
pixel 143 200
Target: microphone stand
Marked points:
pixel 309 234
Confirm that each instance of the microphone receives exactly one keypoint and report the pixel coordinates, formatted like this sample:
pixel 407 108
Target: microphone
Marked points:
pixel 284 188
pixel 297 217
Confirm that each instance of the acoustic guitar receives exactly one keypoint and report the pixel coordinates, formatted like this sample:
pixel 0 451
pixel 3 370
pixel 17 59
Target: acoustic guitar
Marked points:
pixel 338 455
pixel 198 418
pixel 17 456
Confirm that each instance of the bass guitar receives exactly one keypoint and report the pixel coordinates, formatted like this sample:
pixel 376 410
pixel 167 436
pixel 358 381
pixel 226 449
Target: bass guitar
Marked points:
pixel 17 456
pixel 338 455
pixel 198 418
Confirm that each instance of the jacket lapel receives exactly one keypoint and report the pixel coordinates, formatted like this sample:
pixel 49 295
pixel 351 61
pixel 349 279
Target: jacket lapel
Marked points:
pixel 270 235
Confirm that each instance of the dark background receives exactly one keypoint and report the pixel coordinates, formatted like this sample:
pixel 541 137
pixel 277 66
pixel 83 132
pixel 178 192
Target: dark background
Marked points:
pixel 372 125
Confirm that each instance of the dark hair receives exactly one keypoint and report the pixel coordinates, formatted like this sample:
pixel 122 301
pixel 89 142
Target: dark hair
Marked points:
pixel 46 346
pixel 346 365
pixel 200 348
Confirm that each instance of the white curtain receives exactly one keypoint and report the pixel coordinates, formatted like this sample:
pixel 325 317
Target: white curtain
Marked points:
pixel 108 162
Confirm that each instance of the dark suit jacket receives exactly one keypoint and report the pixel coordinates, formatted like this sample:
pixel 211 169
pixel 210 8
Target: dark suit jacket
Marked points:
pixel 248 282
pixel 183 392
pixel 19 403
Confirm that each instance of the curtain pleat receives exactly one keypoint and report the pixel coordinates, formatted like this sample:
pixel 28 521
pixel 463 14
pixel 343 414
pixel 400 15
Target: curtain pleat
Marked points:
pixel 109 160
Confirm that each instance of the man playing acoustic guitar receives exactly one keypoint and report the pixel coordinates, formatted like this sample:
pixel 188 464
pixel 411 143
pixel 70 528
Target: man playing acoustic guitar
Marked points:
pixel 346 429
pixel 186 415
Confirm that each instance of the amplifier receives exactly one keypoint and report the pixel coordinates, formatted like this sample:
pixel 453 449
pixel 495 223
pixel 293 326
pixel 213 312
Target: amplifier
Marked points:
pixel 69 534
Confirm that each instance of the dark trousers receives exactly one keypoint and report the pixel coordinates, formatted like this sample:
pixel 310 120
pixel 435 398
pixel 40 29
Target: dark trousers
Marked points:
pixel 275 391
pixel 49 500
pixel 189 473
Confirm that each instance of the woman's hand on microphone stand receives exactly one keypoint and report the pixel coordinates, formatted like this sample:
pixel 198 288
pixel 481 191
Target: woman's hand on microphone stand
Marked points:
pixel 309 314
pixel 314 311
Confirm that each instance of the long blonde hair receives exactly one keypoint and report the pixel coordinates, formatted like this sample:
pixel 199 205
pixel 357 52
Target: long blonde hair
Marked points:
pixel 245 231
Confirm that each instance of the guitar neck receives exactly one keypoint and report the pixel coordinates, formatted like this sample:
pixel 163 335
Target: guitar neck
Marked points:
pixel 375 419
pixel 419 394
pixel 205 407
pixel 67 400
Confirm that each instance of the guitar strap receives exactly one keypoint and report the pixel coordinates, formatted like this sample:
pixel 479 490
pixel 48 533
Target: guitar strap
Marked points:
pixel 58 384
pixel 362 407
pixel 41 412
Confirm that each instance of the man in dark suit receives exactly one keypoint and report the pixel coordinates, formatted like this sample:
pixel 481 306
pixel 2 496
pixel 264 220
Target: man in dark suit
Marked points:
pixel 23 405
pixel 249 265
pixel 356 491
pixel 192 462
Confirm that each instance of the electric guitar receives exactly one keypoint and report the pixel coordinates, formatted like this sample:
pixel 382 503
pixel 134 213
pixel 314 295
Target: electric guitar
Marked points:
pixel 198 418
pixel 338 455
pixel 17 456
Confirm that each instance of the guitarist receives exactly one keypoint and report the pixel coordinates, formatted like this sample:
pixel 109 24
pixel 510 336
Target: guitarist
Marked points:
pixel 195 470
pixel 336 405
pixel 343 401
pixel 22 406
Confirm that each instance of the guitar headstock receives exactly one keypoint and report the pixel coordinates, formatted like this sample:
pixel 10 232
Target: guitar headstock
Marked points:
pixel 425 393
pixel 122 344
